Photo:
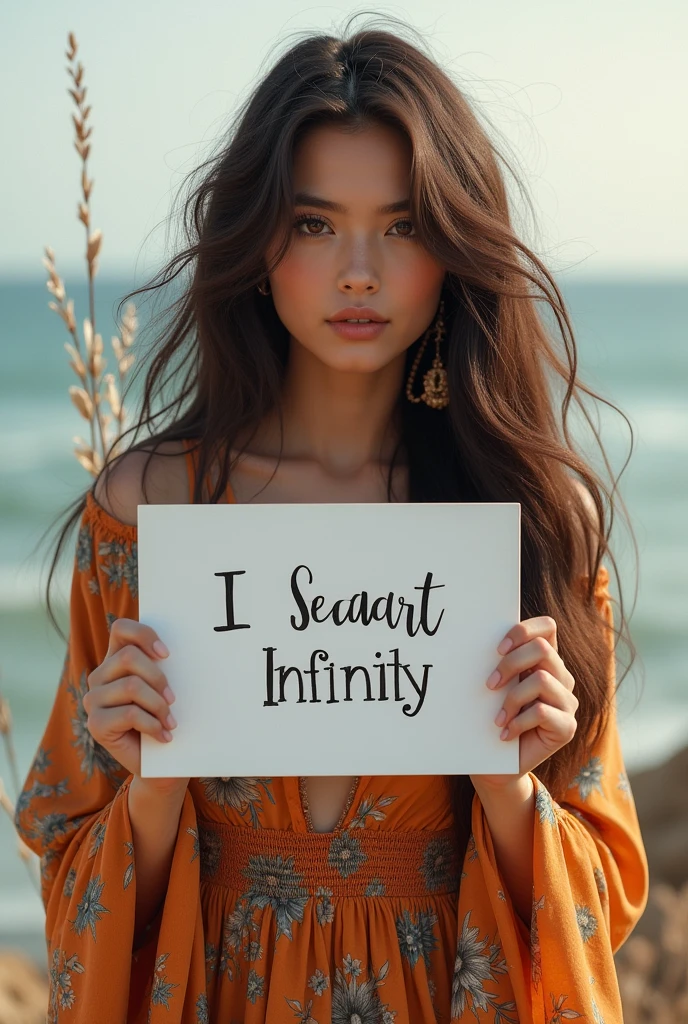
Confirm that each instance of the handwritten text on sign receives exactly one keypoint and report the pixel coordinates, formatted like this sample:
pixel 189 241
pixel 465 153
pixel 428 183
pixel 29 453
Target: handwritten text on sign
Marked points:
pixel 359 608
pixel 330 639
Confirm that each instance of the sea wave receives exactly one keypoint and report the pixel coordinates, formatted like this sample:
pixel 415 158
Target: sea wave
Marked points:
pixel 22 589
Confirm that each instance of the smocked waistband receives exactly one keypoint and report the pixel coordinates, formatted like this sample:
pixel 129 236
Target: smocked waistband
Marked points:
pixel 357 862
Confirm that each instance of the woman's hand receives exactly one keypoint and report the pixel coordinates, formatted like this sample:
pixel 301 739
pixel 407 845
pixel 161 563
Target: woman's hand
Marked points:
pixel 127 695
pixel 541 707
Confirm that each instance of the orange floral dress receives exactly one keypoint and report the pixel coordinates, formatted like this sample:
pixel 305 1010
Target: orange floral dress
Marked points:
pixel 265 919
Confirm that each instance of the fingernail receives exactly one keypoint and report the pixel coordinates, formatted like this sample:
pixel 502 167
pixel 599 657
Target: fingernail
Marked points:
pixel 506 645
pixel 167 736
pixel 168 695
pixel 160 648
pixel 494 679
pixel 501 717
pixel 504 733
pixel 172 721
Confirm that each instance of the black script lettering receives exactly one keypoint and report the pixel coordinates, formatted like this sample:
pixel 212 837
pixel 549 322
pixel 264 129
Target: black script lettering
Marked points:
pixel 359 609
pixel 333 699
pixel 349 672
pixel 303 608
pixel 229 601
pixel 383 681
pixel 312 671
pixel 421 691
pixel 426 588
pixel 269 687
pixel 402 673
pixel 284 674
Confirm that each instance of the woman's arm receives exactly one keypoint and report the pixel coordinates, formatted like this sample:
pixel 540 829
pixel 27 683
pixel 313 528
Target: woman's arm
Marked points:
pixel 108 857
pixel 510 813
pixel 154 820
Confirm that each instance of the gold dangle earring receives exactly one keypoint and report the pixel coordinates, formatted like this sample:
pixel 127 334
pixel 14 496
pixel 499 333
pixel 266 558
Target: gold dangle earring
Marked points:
pixel 435 382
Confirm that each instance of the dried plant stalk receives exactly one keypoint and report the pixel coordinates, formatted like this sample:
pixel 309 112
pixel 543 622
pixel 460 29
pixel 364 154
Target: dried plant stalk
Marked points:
pixel 27 855
pixel 95 387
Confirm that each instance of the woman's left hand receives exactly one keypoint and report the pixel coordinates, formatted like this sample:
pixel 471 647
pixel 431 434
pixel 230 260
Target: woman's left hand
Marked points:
pixel 541 707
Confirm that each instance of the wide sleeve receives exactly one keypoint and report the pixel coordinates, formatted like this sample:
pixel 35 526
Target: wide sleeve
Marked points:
pixel 590 880
pixel 73 812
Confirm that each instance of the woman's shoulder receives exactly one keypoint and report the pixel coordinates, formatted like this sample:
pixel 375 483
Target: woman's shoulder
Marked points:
pixel 149 476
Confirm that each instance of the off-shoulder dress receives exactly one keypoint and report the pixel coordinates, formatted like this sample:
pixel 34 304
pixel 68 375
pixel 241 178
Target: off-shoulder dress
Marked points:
pixel 267 920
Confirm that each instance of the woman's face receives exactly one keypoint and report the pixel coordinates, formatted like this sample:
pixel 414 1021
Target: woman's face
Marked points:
pixel 347 250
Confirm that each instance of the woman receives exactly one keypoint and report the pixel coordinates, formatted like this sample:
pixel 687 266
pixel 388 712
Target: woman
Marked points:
pixel 360 324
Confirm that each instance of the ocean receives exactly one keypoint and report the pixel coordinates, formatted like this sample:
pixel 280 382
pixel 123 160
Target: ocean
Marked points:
pixel 633 349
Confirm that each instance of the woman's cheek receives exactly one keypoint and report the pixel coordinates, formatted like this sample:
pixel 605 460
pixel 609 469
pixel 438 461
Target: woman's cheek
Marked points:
pixel 418 290
pixel 300 275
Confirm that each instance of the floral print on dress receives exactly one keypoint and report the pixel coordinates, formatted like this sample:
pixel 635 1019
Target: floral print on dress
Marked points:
pixel 416 936
pixel 94 758
pixel 129 870
pixel 120 565
pixel 535 951
pixel 162 987
pixel 302 1013
pixel 437 868
pixel 84 549
pixel 545 807
pixel 472 967
pixel 209 845
pixel 324 907
pixel 589 778
pixel 319 982
pixel 68 887
pixel 62 996
pixel 41 762
pixel 275 883
pixel 241 794
pixel 600 880
pixel 43 791
pixel 359 1000
pixel 97 835
pixel 90 910
pixel 371 807
pixel 237 941
pixel 586 921
pixel 560 1012
pixel 596 1015
pixel 255 988
pixel 375 887
pixel 202 1014
pixel 346 854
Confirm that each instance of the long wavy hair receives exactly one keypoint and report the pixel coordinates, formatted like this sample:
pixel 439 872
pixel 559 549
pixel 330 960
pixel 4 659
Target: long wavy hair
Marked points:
pixel 217 366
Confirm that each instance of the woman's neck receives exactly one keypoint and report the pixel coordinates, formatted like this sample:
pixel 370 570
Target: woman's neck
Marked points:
pixel 343 421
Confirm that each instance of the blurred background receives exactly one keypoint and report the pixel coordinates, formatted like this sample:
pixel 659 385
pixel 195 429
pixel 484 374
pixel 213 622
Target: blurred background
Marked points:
pixel 586 100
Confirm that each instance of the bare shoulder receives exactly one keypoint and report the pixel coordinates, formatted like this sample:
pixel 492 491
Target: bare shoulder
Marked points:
pixel 588 503
pixel 591 526
pixel 121 487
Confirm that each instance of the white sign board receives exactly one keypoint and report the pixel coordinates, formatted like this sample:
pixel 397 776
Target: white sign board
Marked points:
pixel 330 639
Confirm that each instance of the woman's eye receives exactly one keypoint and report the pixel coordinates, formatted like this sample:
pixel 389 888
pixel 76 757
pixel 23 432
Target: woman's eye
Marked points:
pixel 408 228
pixel 311 221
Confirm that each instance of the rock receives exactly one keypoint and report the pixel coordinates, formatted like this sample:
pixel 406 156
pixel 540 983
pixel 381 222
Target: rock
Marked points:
pixel 23 990
pixel 661 799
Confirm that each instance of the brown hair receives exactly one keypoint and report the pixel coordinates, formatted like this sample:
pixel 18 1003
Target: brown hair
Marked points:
pixel 502 437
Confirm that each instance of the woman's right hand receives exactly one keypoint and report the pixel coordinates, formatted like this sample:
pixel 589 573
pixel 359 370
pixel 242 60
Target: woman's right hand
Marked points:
pixel 128 694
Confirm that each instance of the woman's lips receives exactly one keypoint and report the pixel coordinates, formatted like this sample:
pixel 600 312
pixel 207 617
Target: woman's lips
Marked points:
pixel 358 332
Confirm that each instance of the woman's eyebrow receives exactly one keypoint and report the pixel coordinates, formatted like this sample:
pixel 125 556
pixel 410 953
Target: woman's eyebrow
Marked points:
pixel 308 199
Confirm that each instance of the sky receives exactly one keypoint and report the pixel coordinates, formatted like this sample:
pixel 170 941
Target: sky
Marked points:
pixel 587 99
